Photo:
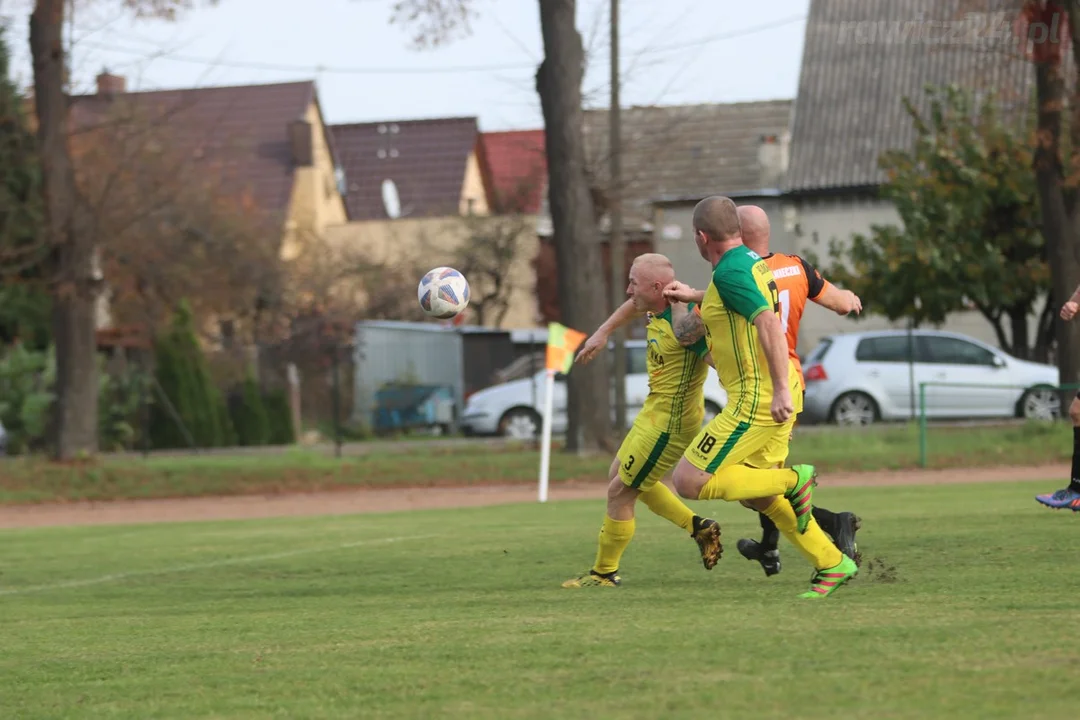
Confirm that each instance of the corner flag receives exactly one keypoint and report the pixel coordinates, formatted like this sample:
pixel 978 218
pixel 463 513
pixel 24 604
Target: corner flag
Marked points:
pixel 561 345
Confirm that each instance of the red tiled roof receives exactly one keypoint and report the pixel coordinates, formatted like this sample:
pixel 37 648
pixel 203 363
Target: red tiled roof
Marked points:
pixel 243 131
pixel 426 159
pixel 517 169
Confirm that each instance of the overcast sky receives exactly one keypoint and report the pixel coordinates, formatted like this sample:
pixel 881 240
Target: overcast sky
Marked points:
pixel 673 52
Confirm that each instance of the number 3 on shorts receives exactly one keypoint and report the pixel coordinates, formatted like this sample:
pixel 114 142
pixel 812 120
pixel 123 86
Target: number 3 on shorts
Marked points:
pixel 629 464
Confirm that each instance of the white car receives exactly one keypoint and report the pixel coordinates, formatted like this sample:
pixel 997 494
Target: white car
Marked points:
pixel 861 378
pixel 513 409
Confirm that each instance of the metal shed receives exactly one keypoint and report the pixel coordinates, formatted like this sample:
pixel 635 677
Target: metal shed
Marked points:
pixel 404 352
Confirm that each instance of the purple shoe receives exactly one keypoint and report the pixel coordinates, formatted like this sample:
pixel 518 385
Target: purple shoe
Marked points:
pixel 1062 499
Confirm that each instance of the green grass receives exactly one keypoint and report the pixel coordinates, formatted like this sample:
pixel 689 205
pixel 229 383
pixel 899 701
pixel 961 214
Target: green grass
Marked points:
pixel 831 449
pixel 458 614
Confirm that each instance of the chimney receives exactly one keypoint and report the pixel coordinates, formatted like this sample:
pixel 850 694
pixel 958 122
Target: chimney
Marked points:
pixel 109 85
pixel 772 160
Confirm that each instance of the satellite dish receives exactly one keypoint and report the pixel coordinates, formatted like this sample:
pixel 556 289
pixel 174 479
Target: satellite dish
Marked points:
pixel 390 199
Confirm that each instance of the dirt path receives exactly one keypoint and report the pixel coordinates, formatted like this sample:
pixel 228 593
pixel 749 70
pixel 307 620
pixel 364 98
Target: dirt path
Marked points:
pixel 389 500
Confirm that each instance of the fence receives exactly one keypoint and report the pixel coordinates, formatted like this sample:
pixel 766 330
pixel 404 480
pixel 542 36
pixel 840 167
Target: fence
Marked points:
pixel 994 393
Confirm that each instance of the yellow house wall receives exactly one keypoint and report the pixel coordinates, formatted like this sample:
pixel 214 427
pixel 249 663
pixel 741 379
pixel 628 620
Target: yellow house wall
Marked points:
pixel 424 243
pixel 315 203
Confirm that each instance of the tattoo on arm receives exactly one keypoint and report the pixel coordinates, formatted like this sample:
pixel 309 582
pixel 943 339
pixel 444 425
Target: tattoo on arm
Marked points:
pixel 689 329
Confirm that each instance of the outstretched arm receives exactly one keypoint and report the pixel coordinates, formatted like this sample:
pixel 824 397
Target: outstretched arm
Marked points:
pixel 687 324
pixel 841 302
pixel 624 314
pixel 825 294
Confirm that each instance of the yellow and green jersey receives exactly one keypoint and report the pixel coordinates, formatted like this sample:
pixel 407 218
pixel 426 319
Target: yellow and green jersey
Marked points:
pixel 676 399
pixel 741 282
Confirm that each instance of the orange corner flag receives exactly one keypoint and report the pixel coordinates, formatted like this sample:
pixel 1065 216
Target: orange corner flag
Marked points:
pixel 561 345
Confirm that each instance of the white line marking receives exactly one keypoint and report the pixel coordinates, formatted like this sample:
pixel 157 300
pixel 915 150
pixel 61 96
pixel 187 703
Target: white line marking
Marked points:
pixel 205 565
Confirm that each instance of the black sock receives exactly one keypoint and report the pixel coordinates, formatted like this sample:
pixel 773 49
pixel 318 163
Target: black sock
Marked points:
pixel 770 536
pixel 1074 483
pixel 826 519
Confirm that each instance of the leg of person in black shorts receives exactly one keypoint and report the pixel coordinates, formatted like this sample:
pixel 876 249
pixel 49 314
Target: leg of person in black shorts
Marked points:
pixel 1068 498
pixel 841 527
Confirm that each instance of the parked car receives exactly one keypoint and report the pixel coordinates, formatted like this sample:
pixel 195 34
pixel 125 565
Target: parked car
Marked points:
pixel 862 378
pixel 513 409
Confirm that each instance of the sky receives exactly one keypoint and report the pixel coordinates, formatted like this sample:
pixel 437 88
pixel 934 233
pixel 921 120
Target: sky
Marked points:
pixel 672 52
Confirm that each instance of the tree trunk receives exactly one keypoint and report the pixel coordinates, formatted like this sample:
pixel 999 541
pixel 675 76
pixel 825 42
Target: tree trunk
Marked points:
pixel 74 286
pixel 1018 328
pixel 582 300
pixel 1044 333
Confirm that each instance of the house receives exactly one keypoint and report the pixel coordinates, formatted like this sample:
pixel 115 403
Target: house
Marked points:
pixel 420 191
pixel 860 59
pixel 672 156
pixel 265 146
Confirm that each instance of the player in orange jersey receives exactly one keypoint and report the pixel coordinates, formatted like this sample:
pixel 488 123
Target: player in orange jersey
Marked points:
pixel 797 281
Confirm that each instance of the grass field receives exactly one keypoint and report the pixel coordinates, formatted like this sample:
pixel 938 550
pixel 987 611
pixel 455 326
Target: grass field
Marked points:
pixel 887 448
pixel 458 614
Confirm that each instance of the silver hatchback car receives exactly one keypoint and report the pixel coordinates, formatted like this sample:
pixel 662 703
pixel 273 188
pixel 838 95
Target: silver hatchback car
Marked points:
pixel 862 378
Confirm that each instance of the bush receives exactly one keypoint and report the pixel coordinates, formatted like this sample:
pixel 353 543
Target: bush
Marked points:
pixel 249 414
pixel 26 397
pixel 120 400
pixel 279 418
pixel 185 380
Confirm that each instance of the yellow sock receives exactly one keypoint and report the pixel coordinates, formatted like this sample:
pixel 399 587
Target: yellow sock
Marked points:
pixel 667 505
pixel 615 535
pixel 739 482
pixel 814 543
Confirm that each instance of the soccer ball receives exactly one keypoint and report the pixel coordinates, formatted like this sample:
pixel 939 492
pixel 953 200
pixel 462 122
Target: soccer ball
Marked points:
pixel 443 293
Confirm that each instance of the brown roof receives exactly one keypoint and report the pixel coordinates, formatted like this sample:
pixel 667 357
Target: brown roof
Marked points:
pixel 861 57
pixel 244 130
pixel 516 168
pixel 426 159
pixel 685 151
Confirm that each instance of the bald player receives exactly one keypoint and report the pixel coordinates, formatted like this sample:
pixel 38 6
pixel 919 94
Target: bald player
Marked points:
pixel 739 456
pixel 797 281
pixel 673 413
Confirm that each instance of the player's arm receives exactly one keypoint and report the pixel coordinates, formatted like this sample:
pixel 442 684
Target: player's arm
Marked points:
pixel 689 327
pixel 740 293
pixel 624 314
pixel 681 292
pixel 1071 306
pixel 827 295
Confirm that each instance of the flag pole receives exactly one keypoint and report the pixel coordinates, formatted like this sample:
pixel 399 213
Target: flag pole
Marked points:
pixel 545 442
pixel 561 345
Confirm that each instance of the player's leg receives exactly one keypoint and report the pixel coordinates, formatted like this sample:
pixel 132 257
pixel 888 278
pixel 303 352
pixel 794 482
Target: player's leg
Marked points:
pixel 833 567
pixel 712 468
pixel 659 498
pixel 1069 497
pixel 615 534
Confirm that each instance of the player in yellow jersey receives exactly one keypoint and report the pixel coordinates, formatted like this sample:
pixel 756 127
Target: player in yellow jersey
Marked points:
pixel 739 455
pixel 670 418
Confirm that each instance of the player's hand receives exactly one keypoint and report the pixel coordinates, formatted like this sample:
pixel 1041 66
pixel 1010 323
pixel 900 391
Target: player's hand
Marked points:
pixel 589 349
pixel 679 292
pixel 851 303
pixel 1068 310
pixel 782 406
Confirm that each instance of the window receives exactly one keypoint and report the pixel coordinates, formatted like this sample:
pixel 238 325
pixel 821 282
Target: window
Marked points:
pixel 818 353
pixel 951 351
pixel 635 361
pixel 886 348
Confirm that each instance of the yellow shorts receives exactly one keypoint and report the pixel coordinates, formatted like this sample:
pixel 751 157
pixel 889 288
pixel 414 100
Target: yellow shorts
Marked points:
pixel 726 441
pixel 647 454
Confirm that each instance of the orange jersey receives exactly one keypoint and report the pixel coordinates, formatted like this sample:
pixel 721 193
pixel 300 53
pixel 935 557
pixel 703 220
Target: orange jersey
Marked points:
pixel 798 281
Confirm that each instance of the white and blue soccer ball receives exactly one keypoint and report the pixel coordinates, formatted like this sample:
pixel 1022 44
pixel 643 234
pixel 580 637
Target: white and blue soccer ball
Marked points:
pixel 443 293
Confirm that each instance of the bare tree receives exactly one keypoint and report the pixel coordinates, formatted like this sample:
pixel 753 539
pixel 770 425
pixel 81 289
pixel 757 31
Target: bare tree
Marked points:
pixel 75 280
pixel 1057 180
pixel 582 296
pixel 488 256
